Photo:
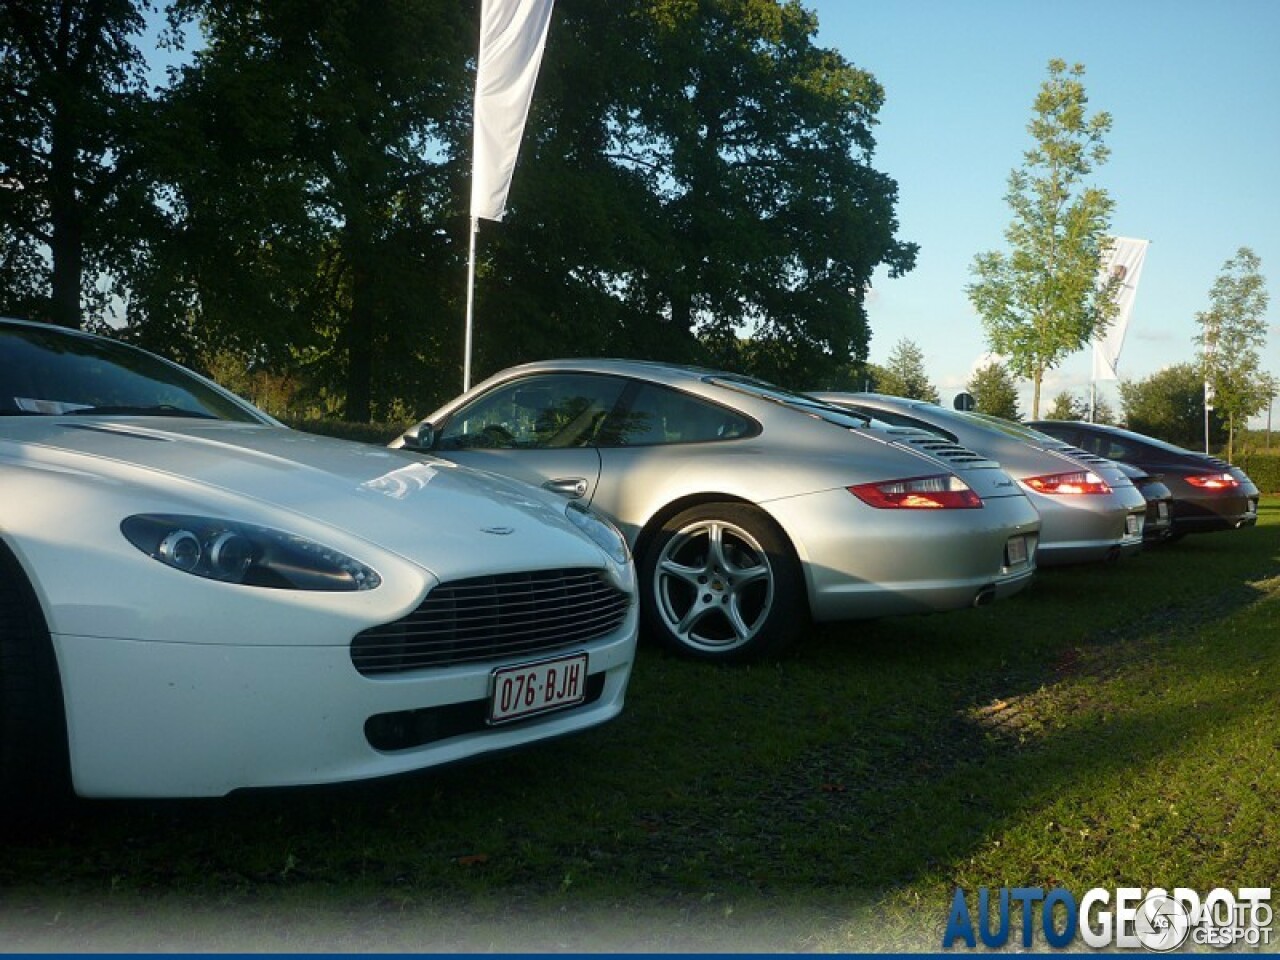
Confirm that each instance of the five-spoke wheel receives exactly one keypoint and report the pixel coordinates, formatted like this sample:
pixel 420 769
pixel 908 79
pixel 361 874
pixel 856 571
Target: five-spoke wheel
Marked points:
pixel 719 582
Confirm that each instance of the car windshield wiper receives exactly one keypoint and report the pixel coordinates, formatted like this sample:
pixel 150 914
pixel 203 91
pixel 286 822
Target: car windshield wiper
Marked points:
pixel 159 410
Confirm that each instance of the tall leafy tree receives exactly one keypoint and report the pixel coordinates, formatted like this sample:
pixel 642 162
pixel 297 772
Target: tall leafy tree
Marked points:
pixel 1232 333
pixel 71 85
pixel 994 391
pixel 1041 301
pixel 904 375
pixel 306 158
pixel 714 180
pixel 1169 404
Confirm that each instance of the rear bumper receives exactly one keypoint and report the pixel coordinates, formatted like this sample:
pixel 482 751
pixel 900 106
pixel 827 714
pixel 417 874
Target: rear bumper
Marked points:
pixel 860 562
pixel 1085 529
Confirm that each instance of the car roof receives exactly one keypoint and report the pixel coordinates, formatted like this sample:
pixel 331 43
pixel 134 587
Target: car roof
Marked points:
pixel 648 369
pixel 1107 428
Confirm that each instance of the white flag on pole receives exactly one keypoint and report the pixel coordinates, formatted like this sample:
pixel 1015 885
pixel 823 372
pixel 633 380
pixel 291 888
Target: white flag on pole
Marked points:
pixel 1124 259
pixel 513 34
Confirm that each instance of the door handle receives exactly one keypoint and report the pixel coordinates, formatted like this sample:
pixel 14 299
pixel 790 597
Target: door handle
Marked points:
pixel 571 487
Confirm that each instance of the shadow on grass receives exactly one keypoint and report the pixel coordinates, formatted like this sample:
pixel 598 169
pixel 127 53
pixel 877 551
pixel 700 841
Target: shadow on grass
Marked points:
pixel 857 765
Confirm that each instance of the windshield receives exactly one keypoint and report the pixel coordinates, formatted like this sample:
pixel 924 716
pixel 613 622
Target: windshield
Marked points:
pixel 48 371
pixel 789 398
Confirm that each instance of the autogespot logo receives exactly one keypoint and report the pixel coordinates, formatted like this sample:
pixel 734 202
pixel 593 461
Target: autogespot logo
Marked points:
pixel 1128 918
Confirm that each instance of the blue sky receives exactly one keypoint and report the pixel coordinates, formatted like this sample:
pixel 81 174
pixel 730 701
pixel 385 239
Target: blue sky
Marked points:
pixel 1195 165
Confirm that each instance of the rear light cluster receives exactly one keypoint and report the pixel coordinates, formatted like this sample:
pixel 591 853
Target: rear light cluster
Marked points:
pixel 941 492
pixel 1214 481
pixel 1075 482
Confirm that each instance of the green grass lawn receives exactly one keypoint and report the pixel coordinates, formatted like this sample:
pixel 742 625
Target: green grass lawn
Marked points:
pixel 1113 725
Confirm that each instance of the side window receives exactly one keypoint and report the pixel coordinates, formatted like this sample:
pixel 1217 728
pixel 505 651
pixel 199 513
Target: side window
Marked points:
pixel 1091 443
pixel 660 415
pixel 1118 450
pixel 534 413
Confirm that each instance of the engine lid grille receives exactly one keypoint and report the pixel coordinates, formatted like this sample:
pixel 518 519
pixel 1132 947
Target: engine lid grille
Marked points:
pixel 485 618
pixel 940 447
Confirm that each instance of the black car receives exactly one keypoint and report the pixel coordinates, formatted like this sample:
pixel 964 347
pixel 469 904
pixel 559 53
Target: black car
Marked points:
pixel 1208 493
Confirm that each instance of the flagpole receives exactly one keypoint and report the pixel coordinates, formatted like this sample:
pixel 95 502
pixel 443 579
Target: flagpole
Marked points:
pixel 471 296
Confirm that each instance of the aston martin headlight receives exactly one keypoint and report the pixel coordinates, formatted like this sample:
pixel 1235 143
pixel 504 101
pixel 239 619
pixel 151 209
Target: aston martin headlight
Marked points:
pixel 608 537
pixel 245 553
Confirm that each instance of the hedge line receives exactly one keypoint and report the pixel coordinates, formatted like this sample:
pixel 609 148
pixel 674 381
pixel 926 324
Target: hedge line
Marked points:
pixel 379 433
pixel 1263 468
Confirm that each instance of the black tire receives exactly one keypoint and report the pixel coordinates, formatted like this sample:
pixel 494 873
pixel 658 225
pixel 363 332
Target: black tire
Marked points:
pixel 34 769
pixel 720 582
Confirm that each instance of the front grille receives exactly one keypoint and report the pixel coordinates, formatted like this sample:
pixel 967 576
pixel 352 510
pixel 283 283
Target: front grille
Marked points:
pixel 484 618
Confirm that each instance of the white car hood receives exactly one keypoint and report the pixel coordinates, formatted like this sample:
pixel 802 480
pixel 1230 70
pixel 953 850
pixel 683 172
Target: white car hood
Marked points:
pixel 411 505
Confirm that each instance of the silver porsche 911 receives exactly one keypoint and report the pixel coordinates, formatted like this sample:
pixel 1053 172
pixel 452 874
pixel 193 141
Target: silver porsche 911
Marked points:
pixel 1089 508
pixel 748 507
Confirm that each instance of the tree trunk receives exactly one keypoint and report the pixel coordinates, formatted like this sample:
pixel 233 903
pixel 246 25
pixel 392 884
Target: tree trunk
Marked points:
pixel 359 406
pixel 66 246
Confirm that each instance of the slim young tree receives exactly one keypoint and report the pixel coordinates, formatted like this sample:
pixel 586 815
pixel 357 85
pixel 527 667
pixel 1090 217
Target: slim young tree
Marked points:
pixel 1041 301
pixel 1232 333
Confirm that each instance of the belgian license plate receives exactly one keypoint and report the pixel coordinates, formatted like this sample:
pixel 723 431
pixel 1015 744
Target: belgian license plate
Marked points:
pixel 1162 509
pixel 1133 524
pixel 1252 509
pixel 537 688
pixel 1015 551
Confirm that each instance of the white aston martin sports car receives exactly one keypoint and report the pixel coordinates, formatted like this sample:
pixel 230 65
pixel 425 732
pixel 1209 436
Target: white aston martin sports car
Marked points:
pixel 195 599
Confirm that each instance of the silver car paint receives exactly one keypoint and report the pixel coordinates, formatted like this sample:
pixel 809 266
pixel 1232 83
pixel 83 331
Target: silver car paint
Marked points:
pixel 1074 529
pixel 858 561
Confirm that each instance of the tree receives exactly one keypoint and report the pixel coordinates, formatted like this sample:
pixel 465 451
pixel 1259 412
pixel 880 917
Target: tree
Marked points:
pixel 1169 405
pixel 719 163
pixel 1042 301
pixel 71 83
pixel 1067 407
pixel 1102 412
pixel 904 374
pixel 1232 333
pixel 304 151
pixel 994 391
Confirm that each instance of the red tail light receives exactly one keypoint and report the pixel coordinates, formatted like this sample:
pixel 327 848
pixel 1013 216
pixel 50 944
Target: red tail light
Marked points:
pixel 1079 481
pixel 1214 481
pixel 941 492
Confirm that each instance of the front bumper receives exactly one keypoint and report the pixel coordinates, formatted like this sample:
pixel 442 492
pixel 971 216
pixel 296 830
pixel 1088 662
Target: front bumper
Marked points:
pixel 162 719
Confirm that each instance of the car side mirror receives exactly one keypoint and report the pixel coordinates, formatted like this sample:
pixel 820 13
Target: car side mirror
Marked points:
pixel 421 436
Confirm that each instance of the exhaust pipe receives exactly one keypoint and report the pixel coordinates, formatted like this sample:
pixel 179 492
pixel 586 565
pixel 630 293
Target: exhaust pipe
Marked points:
pixel 986 595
